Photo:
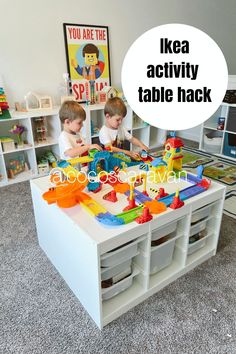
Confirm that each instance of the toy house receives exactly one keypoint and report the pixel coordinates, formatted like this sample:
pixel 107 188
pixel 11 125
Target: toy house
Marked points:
pixel 173 154
pixel 110 92
pixel 35 101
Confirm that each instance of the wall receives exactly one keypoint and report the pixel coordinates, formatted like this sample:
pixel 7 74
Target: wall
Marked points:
pixel 32 52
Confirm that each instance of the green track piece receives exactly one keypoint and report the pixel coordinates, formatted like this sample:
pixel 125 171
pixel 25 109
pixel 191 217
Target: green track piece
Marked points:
pixel 130 215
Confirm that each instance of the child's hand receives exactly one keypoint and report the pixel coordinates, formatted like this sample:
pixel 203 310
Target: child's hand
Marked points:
pixel 144 147
pixel 95 146
pixel 134 155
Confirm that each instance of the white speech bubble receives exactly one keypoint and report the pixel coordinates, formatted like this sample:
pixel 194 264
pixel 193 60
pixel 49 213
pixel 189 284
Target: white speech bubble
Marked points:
pixel 174 76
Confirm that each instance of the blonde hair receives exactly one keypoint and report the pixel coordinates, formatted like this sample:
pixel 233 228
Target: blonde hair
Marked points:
pixel 71 110
pixel 115 106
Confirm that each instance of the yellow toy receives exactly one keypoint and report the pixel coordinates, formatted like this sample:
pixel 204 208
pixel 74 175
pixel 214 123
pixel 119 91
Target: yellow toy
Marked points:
pixel 171 161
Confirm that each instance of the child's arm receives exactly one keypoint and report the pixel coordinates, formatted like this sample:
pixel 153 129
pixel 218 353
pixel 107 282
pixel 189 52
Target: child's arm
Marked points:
pixel 74 152
pixel 134 155
pixel 139 143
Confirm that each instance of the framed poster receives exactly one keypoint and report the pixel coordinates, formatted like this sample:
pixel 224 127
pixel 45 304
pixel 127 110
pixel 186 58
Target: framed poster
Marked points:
pixel 88 61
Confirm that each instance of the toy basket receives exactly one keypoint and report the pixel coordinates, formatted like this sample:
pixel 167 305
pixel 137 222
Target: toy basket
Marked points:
pixel 213 142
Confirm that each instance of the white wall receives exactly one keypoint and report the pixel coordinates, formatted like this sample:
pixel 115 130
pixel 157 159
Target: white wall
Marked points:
pixel 32 51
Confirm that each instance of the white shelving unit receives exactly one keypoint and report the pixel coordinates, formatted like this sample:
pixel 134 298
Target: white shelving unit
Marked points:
pixel 227 147
pixel 150 136
pixel 80 248
pixel 32 149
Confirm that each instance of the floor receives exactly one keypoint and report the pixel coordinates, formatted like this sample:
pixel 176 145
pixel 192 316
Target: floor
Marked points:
pixel 39 313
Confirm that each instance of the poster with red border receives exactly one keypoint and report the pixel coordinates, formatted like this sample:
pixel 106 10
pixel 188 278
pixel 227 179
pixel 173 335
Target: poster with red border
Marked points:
pixel 88 61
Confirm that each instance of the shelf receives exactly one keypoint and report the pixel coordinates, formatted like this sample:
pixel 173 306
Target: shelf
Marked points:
pixel 48 142
pixel 201 252
pixel 212 128
pixel 94 107
pixel 34 113
pixel 26 147
pixel 21 177
pixel 227 131
pixel 228 104
pixel 109 307
pixel 140 127
pixel 164 274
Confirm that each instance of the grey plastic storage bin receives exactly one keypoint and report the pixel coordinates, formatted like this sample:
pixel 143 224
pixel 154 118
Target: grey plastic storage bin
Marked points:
pixel 213 142
pixel 117 288
pixel 164 230
pixel 110 272
pixel 197 228
pixel 196 246
pixel 161 256
pixel 119 255
pixel 200 214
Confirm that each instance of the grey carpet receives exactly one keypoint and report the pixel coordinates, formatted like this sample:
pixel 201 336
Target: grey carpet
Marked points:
pixel 39 313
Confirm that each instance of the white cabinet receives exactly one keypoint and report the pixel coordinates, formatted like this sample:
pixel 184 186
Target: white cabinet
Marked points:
pixel 221 142
pixel 32 149
pixel 135 260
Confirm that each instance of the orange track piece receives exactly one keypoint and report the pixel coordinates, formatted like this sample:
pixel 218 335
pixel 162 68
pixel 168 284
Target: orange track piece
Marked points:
pixel 121 187
pixel 155 207
pixel 65 194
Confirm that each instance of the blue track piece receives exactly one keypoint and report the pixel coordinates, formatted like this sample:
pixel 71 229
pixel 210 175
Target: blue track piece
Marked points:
pixel 184 194
pixel 139 197
pixel 167 200
pixel 63 164
pixel 109 219
pixel 191 179
pixel 191 192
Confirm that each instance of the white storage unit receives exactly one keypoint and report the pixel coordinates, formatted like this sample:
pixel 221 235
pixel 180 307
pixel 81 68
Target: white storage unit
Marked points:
pixel 225 144
pixel 32 149
pixel 74 242
pixel 202 227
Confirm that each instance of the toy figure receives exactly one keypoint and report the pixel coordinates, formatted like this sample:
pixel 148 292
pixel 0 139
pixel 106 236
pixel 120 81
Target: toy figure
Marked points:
pixel 92 69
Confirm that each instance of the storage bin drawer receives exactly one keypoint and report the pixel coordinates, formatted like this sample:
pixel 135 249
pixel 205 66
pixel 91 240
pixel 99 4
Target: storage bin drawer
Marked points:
pixel 161 256
pixel 196 246
pixel 213 141
pixel 200 214
pixel 119 255
pixel 118 287
pixel 113 273
pixel 200 226
pixel 164 230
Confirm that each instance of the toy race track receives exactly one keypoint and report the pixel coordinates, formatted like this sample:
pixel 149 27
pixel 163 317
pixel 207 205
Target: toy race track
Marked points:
pixel 119 203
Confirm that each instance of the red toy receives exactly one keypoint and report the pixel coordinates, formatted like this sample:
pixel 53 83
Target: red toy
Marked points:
pixel 161 194
pixel 131 205
pixel 111 196
pixel 145 217
pixel 177 202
